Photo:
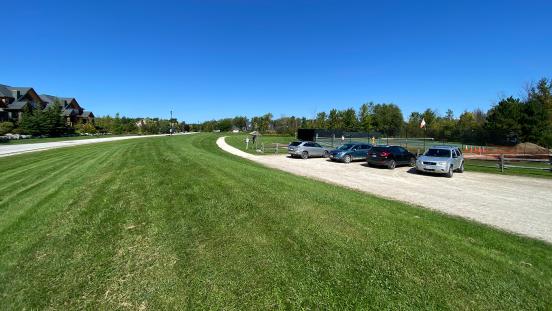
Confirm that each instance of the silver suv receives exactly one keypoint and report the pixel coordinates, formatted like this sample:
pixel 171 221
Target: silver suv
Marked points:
pixel 441 160
pixel 307 149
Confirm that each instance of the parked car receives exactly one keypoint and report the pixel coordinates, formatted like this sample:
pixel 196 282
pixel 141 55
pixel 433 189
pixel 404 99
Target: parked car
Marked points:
pixel 307 149
pixel 441 160
pixel 390 156
pixel 350 152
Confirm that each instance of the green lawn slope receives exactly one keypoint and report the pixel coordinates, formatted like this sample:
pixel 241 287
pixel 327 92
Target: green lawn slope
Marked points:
pixel 174 222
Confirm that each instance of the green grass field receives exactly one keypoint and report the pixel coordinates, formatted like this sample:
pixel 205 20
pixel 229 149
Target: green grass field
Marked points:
pixel 174 222
pixel 51 139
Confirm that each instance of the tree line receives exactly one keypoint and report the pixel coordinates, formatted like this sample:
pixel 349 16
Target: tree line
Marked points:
pixel 510 121
pixel 124 125
pixel 50 122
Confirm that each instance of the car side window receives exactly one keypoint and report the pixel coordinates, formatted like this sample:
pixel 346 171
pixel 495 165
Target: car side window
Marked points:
pixel 317 145
pixel 454 154
pixel 309 145
pixel 403 151
pixel 395 150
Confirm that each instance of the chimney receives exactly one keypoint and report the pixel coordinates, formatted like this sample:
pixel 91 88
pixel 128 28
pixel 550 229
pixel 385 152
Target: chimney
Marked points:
pixel 16 94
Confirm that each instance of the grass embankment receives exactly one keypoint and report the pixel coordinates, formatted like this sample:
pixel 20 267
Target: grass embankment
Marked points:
pixel 51 139
pixel 169 222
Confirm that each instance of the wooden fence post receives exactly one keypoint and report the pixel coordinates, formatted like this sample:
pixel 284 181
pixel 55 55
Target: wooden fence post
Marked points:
pixel 501 161
pixel 550 158
pixel 277 147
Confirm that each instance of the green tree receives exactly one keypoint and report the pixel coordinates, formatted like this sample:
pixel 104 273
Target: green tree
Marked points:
pixel 413 125
pixel 503 121
pixel 536 120
pixel 365 117
pixel 240 122
pixel 350 121
pixel 224 125
pixel 320 121
pixel 388 119
pixel 334 121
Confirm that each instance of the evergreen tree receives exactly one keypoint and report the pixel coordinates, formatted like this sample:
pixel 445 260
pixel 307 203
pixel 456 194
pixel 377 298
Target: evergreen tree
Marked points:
pixel 365 117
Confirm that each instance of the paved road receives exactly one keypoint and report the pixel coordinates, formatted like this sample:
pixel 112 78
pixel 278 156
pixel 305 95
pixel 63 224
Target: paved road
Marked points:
pixel 521 205
pixel 10 150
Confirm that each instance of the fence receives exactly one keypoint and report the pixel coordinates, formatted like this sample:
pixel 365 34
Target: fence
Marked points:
pixel 273 148
pixel 502 162
pixel 413 144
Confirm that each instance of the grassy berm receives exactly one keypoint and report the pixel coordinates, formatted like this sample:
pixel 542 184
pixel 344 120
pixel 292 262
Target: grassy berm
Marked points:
pixel 174 222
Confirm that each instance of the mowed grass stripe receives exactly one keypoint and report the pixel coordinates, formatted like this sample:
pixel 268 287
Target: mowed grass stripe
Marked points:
pixel 175 221
pixel 34 217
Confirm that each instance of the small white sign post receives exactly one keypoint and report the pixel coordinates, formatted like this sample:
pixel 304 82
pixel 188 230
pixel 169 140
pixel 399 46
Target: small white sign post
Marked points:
pixel 246 143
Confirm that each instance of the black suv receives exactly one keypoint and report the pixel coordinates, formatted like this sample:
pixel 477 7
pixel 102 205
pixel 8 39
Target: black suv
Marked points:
pixel 390 156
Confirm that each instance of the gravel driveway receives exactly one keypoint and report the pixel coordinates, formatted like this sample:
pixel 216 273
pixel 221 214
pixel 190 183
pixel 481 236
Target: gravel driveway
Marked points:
pixel 521 205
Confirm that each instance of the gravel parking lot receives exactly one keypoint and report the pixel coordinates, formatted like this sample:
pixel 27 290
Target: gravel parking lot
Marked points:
pixel 521 205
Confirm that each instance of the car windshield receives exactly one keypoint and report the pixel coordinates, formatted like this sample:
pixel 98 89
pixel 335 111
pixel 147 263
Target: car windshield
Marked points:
pixel 439 153
pixel 345 147
pixel 295 143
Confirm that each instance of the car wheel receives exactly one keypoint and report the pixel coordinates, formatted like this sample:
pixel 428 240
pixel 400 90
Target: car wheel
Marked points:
pixel 304 155
pixel 326 154
pixel 461 168
pixel 450 172
pixel 391 165
pixel 347 159
pixel 412 162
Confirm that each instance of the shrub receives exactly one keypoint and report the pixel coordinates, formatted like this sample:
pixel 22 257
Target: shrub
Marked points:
pixel 6 127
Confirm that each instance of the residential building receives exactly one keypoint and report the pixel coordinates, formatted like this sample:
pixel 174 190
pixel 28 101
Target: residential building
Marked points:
pixel 15 100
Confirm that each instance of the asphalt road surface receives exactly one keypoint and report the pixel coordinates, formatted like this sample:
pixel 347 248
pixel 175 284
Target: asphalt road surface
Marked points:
pixel 522 205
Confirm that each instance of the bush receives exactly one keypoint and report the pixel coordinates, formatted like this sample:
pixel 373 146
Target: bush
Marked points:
pixel 6 127
pixel 87 128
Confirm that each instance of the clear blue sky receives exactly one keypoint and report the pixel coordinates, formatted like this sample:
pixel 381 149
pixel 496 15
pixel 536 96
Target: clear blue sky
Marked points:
pixel 211 59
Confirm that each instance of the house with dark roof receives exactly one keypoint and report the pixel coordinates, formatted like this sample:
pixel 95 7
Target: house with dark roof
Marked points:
pixel 15 100
pixel 70 109
pixel 6 98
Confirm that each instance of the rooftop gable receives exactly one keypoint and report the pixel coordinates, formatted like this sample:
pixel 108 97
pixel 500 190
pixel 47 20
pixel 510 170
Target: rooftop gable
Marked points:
pixel 5 92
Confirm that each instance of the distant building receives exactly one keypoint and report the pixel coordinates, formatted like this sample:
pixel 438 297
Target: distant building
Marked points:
pixel 15 100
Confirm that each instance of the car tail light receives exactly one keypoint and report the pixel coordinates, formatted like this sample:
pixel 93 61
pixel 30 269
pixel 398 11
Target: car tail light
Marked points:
pixel 384 154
